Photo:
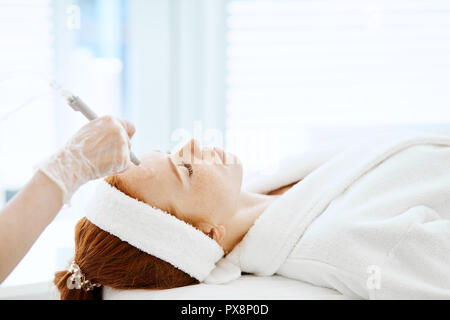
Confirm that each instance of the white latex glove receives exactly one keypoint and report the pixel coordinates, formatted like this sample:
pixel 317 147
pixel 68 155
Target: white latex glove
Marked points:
pixel 100 148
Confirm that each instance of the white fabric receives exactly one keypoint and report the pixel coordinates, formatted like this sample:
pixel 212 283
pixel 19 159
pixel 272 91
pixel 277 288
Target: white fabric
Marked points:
pixel 153 231
pixel 247 287
pixel 371 222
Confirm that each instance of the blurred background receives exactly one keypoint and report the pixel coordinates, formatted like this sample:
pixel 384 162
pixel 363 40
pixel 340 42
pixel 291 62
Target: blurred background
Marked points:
pixel 263 79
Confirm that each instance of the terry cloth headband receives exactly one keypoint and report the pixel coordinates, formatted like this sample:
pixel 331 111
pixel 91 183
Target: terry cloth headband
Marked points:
pixel 153 231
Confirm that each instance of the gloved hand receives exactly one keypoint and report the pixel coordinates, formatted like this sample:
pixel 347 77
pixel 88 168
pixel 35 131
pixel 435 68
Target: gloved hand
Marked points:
pixel 100 148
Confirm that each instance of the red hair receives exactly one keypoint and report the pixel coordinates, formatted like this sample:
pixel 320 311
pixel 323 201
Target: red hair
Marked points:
pixel 106 260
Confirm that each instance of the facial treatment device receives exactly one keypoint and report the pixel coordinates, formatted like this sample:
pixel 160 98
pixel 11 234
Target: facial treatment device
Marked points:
pixel 78 105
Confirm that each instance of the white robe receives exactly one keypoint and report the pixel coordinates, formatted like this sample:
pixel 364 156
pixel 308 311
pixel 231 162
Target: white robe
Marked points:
pixel 371 221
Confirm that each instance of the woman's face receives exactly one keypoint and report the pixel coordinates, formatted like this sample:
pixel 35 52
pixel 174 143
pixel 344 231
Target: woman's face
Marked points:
pixel 196 185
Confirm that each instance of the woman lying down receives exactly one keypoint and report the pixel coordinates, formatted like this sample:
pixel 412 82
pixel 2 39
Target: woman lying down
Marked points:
pixel 371 221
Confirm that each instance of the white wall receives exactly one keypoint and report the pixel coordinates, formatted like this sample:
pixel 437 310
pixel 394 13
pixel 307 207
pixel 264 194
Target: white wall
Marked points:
pixel 175 68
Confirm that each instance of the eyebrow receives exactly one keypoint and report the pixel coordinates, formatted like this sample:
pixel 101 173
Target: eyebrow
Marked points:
pixel 174 169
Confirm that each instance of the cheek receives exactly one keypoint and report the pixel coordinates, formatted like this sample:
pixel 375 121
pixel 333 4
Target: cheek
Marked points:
pixel 208 179
pixel 215 187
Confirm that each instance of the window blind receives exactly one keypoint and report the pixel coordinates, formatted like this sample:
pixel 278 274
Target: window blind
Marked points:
pixel 26 60
pixel 294 64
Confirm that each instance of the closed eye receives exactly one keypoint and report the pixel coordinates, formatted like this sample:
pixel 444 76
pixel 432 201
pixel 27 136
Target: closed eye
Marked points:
pixel 189 168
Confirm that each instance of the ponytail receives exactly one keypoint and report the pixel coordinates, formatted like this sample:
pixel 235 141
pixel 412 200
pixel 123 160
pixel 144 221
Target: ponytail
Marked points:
pixel 62 282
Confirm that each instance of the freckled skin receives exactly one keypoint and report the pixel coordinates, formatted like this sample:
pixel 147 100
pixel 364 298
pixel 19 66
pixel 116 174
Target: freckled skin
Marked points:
pixel 210 193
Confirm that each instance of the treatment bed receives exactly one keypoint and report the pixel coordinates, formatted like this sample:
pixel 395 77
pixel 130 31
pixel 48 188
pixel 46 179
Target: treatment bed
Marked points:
pixel 248 287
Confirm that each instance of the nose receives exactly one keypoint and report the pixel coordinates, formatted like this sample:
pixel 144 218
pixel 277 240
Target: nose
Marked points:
pixel 191 150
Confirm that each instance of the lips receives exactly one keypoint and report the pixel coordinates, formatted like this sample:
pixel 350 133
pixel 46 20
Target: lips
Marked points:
pixel 220 153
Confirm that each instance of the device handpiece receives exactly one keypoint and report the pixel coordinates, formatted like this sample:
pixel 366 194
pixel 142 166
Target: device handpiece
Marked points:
pixel 78 105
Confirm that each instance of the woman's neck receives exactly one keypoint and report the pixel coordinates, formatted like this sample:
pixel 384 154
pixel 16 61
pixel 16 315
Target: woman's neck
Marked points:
pixel 250 207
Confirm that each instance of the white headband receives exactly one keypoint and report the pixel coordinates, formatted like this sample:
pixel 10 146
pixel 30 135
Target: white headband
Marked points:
pixel 153 231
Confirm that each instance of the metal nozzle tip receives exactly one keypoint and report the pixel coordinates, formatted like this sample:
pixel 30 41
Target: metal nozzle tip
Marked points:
pixel 64 93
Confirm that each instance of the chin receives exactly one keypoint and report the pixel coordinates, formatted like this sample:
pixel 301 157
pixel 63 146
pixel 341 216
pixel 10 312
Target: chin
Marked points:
pixel 232 159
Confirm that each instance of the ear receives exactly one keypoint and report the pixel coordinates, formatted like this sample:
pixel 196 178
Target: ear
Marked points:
pixel 214 232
